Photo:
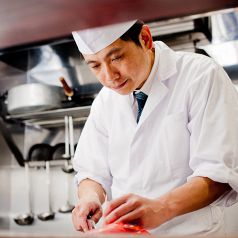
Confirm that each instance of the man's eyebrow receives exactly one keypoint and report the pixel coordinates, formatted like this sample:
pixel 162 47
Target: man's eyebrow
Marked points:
pixel 90 61
pixel 112 51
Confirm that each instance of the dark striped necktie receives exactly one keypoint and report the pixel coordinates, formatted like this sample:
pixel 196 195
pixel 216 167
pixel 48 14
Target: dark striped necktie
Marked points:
pixel 141 100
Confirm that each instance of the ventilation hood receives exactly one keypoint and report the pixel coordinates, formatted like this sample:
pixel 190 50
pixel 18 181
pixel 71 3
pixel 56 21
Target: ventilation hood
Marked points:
pixel 47 63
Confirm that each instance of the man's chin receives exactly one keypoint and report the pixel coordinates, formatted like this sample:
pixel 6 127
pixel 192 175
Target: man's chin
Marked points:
pixel 123 92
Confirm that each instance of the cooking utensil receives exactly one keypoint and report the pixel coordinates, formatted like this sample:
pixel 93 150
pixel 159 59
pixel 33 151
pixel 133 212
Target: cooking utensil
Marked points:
pixel 58 151
pixel 68 207
pixel 36 153
pixel 33 97
pixel 58 154
pixel 43 152
pixel 75 96
pixel 66 127
pixel 26 218
pixel 68 168
pixel 40 152
pixel 71 137
pixel 48 215
pixel 67 90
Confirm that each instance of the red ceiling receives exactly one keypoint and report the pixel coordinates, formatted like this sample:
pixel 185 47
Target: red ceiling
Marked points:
pixel 30 21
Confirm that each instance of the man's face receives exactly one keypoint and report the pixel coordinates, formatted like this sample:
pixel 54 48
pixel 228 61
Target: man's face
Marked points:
pixel 122 66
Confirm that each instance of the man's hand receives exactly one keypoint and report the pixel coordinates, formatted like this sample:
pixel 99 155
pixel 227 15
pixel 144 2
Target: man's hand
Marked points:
pixel 88 210
pixel 197 193
pixel 86 213
pixel 132 208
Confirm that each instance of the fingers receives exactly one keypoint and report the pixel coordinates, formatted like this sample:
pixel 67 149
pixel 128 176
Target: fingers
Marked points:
pixel 79 218
pixel 84 224
pixel 97 215
pixel 118 212
pixel 81 214
pixel 91 224
pixel 114 204
pixel 125 207
pixel 132 216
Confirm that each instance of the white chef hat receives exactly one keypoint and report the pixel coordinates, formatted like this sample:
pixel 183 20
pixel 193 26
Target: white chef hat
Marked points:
pixel 92 40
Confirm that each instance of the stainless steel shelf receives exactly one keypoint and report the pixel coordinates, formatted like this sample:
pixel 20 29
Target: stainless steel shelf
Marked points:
pixel 52 118
pixel 53 163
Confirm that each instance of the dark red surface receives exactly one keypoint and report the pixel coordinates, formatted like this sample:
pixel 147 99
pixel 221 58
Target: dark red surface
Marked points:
pixel 31 21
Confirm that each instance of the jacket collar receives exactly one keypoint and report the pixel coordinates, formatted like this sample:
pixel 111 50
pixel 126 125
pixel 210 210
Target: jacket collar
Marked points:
pixel 167 65
pixel 165 69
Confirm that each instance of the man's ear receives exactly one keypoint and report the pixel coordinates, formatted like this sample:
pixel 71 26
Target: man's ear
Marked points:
pixel 146 37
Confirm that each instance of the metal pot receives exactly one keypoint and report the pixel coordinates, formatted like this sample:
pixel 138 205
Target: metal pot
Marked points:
pixel 33 97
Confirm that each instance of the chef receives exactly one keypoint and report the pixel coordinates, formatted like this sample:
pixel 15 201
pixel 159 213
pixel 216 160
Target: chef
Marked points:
pixel 161 142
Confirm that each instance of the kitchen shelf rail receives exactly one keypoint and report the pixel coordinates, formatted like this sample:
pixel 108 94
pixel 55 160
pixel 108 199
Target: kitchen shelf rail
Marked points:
pixel 52 118
pixel 53 163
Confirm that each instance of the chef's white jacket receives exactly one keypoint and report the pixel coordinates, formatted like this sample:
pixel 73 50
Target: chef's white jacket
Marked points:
pixel 188 128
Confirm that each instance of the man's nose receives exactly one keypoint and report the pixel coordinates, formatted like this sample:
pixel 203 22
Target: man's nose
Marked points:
pixel 111 74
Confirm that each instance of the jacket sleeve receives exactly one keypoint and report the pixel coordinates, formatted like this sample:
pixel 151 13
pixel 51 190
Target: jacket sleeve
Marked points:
pixel 91 156
pixel 213 124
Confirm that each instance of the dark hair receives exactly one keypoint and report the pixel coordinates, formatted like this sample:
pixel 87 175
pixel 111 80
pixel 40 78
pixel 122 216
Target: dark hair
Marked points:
pixel 133 33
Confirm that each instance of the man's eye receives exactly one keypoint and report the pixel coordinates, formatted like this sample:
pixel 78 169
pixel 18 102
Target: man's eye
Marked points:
pixel 95 66
pixel 116 58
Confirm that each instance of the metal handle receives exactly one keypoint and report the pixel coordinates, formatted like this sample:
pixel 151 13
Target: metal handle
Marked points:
pixel 47 167
pixel 28 184
pixel 67 90
pixel 71 136
pixel 66 122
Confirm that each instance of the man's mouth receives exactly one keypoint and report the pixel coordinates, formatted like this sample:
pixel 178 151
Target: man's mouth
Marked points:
pixel 119 86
